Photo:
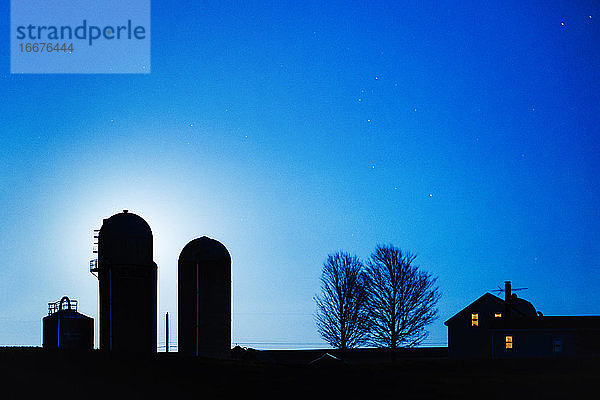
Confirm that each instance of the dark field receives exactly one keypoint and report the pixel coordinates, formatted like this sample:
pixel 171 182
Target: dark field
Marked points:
pixel 35 373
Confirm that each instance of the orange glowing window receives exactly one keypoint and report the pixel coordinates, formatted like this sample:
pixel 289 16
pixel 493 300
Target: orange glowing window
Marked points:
pixel 497 315
pixel 508 342
pixel 474 319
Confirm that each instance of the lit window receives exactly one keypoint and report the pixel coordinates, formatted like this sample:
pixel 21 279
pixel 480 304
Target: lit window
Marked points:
pixel 497 315
pixel 474 319
pixel 508 342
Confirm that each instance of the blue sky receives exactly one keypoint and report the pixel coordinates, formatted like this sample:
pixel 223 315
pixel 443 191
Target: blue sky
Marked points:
pixel 465 133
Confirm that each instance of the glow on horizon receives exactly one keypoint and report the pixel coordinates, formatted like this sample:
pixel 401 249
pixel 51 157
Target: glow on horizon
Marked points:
pixel 446 131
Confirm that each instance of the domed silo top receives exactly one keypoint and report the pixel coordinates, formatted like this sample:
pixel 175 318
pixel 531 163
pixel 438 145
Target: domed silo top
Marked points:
pixel 125 238
pixel 204 249
pixel 126 224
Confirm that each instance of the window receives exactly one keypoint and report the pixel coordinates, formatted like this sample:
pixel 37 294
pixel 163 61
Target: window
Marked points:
pixel 474 319
pixel 556 345
pixel 508 342
pixel 497 315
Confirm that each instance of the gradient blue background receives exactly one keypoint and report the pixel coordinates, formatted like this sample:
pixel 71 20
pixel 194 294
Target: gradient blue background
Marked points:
pixel 466 133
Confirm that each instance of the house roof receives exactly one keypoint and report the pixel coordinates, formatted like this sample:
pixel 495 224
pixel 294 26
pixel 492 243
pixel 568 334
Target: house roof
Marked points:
pixel 487 297
pixel 519 307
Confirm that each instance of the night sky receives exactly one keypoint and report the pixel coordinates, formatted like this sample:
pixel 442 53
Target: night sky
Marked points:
pixel 467 133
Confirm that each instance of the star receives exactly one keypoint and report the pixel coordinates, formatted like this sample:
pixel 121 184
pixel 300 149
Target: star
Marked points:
pixel 562 23
pixel 430 194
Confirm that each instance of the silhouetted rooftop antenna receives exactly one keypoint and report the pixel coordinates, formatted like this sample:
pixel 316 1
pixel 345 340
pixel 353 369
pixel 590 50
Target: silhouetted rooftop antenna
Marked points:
pixel 501 290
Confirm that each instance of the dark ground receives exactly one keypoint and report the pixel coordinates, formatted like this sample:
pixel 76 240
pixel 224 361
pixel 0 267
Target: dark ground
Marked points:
pixel 35 373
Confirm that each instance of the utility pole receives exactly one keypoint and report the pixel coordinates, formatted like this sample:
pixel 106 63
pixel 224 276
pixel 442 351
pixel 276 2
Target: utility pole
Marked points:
pixel 167 333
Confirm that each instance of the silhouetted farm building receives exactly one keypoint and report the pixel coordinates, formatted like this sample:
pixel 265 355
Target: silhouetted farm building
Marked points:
pixel 127 282
pixel 65 328
pixel 127 278
pixel 492 328
pixel 204 299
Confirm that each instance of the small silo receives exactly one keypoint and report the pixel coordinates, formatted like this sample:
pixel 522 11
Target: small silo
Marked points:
pixel 65 328
pixel 127 278
pixel 204 299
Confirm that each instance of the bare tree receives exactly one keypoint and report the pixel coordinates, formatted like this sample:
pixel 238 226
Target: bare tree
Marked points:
pixel 341 314
pixel 401 298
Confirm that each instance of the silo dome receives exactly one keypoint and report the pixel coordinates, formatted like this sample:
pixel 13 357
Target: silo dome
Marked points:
pixel 125 238
pixel 204 249
pixel 126 224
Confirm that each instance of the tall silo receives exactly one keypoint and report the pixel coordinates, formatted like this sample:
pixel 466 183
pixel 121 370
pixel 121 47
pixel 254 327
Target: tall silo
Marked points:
pixel 204 299
pixel 127 280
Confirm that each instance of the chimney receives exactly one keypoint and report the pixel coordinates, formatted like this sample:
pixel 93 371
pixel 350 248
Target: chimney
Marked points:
pixel 507 299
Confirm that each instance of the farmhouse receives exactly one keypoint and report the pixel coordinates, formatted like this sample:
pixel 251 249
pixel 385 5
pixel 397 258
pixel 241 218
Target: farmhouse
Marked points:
pixel 492 328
